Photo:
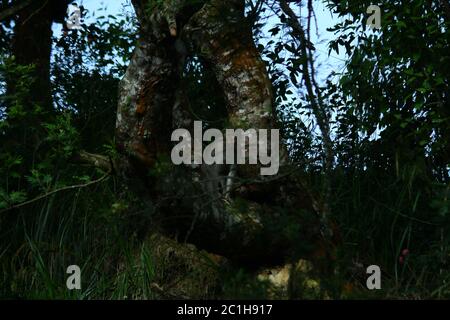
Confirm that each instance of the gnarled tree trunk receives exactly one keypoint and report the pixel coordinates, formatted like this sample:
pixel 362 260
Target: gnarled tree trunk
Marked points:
pixel 239 221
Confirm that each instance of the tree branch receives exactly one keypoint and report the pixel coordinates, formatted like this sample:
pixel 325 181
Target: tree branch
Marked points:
pixel 78 186
pixel 14 9
pixel 315 98
pixel 102 162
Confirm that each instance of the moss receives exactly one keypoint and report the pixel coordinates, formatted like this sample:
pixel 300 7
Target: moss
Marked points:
pixel 182 270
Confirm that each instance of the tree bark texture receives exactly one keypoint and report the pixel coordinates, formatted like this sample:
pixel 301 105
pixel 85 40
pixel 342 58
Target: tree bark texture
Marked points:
pixel 32 44
pixel 153 102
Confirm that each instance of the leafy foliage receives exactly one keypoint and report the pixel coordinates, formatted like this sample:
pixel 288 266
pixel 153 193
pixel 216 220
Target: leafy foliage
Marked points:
pixel 389 117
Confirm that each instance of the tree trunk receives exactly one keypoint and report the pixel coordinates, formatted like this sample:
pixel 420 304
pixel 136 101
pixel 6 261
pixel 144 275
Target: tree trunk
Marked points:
pixel 241 221
pixel 32 44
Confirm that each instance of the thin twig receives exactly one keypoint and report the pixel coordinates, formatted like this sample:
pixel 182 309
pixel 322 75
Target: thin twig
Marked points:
pixel 35 12
pixel 78 186
pixel 315 98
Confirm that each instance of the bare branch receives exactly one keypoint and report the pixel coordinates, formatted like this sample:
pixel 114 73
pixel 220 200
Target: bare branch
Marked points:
pixel 314 93
pixel 77 186
pixel 96 160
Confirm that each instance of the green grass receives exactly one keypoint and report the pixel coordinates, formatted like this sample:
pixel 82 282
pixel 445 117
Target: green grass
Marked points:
pixel 104 231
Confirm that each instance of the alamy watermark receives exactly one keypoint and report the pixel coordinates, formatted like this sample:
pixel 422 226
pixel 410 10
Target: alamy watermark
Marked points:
pixel 374 20
pixel 74 280
pixel 235 147
pixel 374 280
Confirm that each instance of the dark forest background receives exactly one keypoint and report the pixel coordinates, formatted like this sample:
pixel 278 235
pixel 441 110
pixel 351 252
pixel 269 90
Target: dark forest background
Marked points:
pixel 371 144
